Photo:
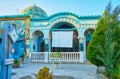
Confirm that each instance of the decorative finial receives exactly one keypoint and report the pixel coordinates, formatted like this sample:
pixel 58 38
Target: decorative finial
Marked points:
pixel 17 11
pixel 34 4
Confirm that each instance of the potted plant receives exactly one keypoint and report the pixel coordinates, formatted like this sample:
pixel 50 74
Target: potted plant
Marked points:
pixel 22 58
pixel 56 57
pixel 56 64
pixel 16 63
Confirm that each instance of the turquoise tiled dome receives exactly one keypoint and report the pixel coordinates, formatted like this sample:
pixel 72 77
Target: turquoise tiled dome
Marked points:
pixel 35 12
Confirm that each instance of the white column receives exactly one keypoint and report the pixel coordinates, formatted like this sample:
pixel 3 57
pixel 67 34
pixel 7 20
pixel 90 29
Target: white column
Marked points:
pixel 84 41
pixel 46 49
pixel 46 56
pixel 82 53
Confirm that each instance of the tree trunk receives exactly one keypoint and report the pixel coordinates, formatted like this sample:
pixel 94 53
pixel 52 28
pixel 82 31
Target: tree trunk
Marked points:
pixel 99 72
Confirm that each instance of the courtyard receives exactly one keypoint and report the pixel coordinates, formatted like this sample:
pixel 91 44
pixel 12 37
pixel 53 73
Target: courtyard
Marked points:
pixel 66 35
pixel 76 70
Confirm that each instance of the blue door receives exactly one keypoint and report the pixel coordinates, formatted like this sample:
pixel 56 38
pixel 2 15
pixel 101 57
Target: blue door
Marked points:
pixel 0 54
pixel 39 44
pixel 19 49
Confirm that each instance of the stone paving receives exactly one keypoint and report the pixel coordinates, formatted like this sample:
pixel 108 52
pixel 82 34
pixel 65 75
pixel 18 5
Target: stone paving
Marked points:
pixel 78 71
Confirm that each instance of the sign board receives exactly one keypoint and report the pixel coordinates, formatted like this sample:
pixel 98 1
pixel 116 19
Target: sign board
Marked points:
pixel 13 35
pixel 9 61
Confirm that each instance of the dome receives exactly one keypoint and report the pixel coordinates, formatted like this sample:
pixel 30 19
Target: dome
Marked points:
pixel 34 12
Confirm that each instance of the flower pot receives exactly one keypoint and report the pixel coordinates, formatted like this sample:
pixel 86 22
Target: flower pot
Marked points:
pixel 56 64
pixel 15 65
pixel 21 60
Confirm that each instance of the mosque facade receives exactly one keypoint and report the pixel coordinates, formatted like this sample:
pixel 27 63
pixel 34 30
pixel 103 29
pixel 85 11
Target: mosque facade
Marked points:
pixel 60 32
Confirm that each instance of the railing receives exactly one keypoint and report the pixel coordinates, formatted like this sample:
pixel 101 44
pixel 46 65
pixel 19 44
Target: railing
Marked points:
pixel 37 56
pixel 66 57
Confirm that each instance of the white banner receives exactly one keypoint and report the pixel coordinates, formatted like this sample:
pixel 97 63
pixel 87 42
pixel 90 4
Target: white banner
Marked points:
pixel 62 39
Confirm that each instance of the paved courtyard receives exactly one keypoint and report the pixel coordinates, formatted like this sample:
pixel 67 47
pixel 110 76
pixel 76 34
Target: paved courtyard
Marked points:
pixel 78 71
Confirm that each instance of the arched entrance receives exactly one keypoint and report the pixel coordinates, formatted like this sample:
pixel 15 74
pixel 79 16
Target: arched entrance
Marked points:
pixel 88 34
pixel 38 42
pixel 64 38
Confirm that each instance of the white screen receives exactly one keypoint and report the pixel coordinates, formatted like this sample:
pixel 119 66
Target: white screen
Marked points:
pixel 62 39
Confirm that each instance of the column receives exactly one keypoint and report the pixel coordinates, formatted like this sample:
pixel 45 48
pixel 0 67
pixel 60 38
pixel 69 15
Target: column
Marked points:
pixel 46 49
pixel 81 46
pixel 84 48
pixel 47 43
pixel 31 45
pixel 27 36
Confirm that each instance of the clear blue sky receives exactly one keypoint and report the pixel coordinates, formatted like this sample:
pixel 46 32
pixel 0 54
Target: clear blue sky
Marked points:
pixel 79 7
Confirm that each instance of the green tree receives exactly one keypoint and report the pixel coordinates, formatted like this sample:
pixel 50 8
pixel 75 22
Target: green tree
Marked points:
pixel 105 43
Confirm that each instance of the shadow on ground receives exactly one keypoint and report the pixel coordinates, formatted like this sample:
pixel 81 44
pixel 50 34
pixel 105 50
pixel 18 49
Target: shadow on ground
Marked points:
pixel 55 77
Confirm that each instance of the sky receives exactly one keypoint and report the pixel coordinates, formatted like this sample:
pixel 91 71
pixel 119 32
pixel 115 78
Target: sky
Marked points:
pixel 79 7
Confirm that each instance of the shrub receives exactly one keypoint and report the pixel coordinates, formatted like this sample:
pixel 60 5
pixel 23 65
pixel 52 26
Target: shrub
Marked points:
pixel 56 55
pixel 22 56
pixel 105 43
pixel 44 74
pixel 16 63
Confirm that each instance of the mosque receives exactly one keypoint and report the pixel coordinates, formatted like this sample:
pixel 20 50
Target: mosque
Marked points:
pixel 60 32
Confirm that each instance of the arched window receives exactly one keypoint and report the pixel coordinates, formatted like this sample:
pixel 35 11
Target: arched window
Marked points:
pixel 88 34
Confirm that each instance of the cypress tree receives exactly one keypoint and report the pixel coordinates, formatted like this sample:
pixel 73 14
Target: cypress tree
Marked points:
pixel 104 47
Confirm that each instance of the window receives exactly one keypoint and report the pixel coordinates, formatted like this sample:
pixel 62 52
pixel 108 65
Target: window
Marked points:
pixel 33 47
